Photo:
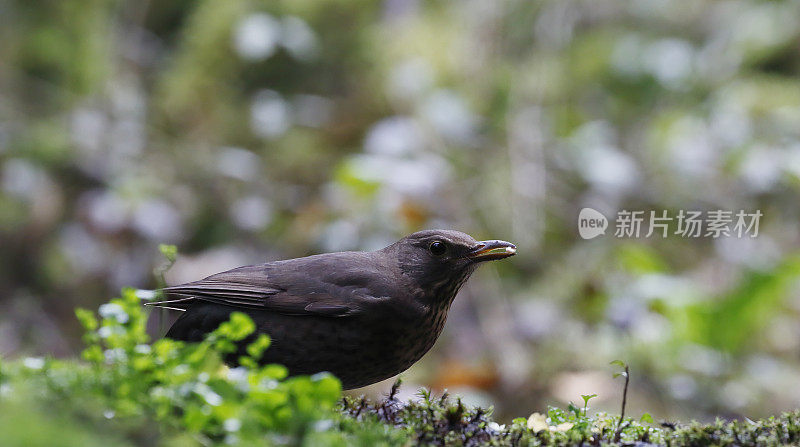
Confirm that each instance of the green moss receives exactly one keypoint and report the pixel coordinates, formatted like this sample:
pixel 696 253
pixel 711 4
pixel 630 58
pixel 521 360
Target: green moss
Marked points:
pixel 446 421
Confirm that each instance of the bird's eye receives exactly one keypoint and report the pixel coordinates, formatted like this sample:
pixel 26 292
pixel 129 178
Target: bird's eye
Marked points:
pixel 437 248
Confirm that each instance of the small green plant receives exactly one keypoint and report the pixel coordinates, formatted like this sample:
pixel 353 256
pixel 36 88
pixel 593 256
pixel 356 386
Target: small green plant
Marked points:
pixel 184 388
pixel 626 374
pixel 586 398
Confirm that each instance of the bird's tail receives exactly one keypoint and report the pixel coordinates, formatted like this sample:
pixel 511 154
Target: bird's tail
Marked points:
pixel 180 304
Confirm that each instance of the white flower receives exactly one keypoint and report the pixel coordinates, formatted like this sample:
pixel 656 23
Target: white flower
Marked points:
pixel 537 422
pixel 142 349
pixel 115 355
pixel 256 36
pixel 211 397
pixel 323 425
pixel 115 311
pixel 564 426
pixel 5 390
pixel 496 427
pixel 232 424
pixel 33 363
pixel 146 295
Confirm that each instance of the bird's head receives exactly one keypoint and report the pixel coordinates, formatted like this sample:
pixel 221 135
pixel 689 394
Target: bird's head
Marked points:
pixel 439 261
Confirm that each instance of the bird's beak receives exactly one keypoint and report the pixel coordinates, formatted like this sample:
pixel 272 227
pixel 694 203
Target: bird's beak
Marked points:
pixel 491 250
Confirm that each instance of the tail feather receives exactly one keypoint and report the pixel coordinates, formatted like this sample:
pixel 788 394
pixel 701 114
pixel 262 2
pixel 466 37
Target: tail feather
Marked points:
pixel 180 304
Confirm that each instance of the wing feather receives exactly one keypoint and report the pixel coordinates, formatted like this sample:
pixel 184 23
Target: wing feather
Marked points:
pixel 257 287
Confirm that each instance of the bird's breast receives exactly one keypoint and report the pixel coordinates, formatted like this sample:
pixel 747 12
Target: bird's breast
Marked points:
pixel 360 350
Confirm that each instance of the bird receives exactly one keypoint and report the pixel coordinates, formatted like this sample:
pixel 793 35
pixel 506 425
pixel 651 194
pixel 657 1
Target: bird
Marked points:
pixel 361 316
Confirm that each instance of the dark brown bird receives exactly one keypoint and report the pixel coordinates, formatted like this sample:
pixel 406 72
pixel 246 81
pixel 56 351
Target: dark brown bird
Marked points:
pixel 363 316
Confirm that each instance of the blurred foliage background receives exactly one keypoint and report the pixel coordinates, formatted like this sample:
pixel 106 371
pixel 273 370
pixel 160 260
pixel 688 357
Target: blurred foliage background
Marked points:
pixel 245 131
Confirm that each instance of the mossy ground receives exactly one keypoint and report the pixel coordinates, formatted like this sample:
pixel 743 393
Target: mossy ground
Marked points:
pixel 446 421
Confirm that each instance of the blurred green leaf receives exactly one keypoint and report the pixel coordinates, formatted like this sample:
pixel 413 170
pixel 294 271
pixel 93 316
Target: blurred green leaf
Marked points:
pixel 733 321
pixel 170 252
pixel 640 259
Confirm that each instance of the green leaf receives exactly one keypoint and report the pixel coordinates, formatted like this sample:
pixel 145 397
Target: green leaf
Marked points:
pixel 257 347
pixel 248 362
pixel 519 421
pixel 87 319
pixel 730 321
pixel 647 417
pixel 169 251
pixel 640 259
pixel 237 328
pixel 326 387
pixel 93 354
pixel 573 408
pixel 276 372
pixel 195 419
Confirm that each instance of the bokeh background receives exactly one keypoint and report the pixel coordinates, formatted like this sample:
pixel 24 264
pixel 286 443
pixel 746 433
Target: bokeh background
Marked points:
pixel 244 131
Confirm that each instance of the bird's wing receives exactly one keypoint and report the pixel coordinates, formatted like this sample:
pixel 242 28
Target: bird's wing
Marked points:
pixel 269 287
